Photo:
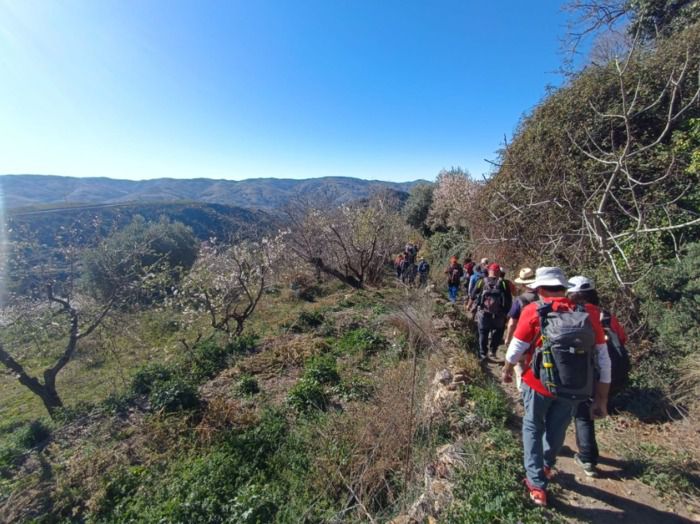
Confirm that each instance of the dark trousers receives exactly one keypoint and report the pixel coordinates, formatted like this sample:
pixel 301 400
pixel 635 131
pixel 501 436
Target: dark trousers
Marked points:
pixel 489 327
pixel 585 434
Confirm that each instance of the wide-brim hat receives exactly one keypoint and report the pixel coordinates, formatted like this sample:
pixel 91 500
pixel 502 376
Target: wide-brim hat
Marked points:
pixel 526 276
pixel 549 277
pixel 580 283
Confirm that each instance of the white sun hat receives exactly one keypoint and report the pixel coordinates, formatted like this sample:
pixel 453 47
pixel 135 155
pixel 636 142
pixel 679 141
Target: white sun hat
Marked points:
pixel 549 276
pixel 580 283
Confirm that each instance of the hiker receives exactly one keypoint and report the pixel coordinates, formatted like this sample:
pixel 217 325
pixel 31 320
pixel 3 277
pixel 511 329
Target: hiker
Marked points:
pixel 398 265
pixel 526 276
pixel 493 300
pixel 410 251
pixel 468 265
pixel 479 273
pixel 454 274
pixel 423 270
pixel 408 271
pixel 583 291
pixel 562 343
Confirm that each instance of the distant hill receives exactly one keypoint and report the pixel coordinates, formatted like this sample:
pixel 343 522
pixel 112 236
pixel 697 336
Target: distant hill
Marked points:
pixel 259 193
pixel 85 224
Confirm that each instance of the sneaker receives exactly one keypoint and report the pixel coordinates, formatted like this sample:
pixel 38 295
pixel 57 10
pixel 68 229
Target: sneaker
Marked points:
pixel 549 473
pixel 537 495
pixel 588 468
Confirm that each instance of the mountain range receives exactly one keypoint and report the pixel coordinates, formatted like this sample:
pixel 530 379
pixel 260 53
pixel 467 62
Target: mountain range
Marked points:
pixel 22 191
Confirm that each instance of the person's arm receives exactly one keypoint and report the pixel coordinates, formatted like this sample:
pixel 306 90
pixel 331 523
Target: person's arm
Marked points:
pixel 618 329
pixel 599 409
pixel 519 345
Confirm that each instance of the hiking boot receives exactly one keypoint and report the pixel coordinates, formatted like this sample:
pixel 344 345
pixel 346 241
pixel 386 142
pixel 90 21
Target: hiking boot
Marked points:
pixel 588 468
pixel 549 473
pixel 537 495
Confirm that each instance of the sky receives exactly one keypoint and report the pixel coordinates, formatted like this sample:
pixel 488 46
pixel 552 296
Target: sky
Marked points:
pixel 377 89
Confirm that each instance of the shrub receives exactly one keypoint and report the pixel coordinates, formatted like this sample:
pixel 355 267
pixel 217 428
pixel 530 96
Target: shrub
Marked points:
pixel 33 434
pixel 307 321
pixel 357 388
pixel 247 385
pixel 322 369
pixel 173 395
pixel 207 358
pixel 490 404
pixel 489 487
pixel 361 340
pixel 307 395
pixel 148 376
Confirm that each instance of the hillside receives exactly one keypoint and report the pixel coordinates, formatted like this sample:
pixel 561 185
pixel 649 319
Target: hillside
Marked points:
pixel 206 220
pixel 259 193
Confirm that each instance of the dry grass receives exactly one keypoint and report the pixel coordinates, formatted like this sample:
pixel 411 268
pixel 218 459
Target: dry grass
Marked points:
pixel 279 353
pixel 224 414
pixel 687 390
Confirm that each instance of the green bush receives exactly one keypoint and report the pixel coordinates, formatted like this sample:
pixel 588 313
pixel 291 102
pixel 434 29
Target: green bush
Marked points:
pixel 148 376
pixel 307 321
pixel 208 358
pixel 20 439
pixel 307 395
pixel 261 474
pixel 322 369
pixel 247 385
pixel 490 404
pixel 173 395
pixel 361 340
pixel 357 388
pixel 489 488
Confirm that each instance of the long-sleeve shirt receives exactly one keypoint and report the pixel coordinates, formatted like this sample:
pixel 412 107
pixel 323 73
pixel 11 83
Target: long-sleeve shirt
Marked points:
pixel 527 337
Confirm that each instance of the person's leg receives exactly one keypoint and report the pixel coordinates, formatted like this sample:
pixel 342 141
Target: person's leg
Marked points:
pixel 484 324
pixel 558 418
pixel 533 430
pixel 585 434
pixel 452 292
pixel 496 336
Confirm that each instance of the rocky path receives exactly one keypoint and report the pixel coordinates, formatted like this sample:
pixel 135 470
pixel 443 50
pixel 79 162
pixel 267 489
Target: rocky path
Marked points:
pixel 613 497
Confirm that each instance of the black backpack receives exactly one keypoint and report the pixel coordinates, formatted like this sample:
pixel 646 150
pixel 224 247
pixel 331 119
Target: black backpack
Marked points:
pixel 565 362
pixel 620 362
pixel 492 298
pixel 454 275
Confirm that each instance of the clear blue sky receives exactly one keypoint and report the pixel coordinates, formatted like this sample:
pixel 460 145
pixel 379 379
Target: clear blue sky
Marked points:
pixel 381 89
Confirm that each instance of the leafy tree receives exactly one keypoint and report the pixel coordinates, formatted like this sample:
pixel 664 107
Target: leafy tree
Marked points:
pixel 416 208
pixel 167 245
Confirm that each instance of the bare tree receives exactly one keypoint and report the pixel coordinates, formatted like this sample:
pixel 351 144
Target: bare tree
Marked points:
pixel 227 283
pixel 350 242
pixel 70 316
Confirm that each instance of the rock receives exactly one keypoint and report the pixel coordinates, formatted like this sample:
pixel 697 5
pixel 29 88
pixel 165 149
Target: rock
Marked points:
pixel 443 376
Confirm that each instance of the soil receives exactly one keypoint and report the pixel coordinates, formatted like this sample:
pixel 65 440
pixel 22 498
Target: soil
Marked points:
pixel 615 495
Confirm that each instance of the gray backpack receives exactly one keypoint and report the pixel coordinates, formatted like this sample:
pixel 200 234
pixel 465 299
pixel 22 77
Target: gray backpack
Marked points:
pixel 565 362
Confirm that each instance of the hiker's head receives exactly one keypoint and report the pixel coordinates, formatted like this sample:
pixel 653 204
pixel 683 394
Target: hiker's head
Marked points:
pixel 526 276
pixel 582 290
pixel 467 259
pixel 550 282
pixel 494 270
pixel 503 273
pixel 453 260
pixel 484 262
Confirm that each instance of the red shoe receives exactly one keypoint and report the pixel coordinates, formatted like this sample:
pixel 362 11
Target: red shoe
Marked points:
pixel 549 473
pixel 537 495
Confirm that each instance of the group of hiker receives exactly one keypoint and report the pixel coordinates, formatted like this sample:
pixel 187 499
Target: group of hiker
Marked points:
pixel 408 265
pixel 564 350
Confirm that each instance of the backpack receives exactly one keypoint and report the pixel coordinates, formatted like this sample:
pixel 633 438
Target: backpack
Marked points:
pixel 423 267
pixel 492 298
pixel 454 275
pixel 619 356
pixel 411 251
pixel 527 298
pixel 565 362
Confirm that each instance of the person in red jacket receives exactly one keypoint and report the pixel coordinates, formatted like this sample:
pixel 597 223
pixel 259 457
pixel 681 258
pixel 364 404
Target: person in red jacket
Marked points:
pixel 547 416
pixel 583 291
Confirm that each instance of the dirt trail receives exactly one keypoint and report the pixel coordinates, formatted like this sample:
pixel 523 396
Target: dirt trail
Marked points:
pixel 613 497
